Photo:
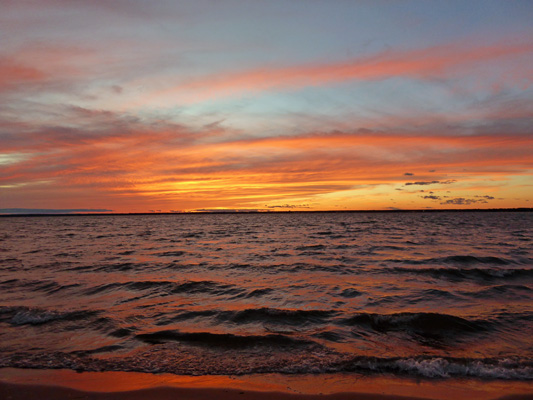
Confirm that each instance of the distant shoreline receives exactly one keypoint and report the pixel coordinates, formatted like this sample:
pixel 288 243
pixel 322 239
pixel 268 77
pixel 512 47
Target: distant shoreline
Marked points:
pixel 271 212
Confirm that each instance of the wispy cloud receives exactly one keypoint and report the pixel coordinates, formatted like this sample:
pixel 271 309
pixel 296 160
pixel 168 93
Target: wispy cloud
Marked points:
pixel 430 63
pixel 125 156
pixel 13 74
pixel 423 183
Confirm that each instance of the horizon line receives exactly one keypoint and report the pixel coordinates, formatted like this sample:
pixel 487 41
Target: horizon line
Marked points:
pixel 516 209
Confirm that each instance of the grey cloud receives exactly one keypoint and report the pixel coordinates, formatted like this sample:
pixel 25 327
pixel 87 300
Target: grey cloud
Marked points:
pixel 482 199
pixel 290 206
pixel 421 183
pixel 463 201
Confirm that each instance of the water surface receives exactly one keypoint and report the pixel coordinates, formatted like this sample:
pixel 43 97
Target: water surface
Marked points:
pixel 432 295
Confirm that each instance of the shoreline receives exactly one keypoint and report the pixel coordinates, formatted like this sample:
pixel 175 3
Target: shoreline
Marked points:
pixel 25 384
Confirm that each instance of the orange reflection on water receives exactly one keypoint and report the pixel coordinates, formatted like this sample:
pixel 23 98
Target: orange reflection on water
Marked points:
pixel 284 385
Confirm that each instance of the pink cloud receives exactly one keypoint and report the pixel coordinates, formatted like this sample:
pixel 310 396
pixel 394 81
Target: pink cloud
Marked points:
pixel 13 73
pixel 425 63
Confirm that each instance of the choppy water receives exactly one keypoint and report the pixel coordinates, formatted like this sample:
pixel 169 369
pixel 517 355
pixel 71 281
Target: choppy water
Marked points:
pixel 418 294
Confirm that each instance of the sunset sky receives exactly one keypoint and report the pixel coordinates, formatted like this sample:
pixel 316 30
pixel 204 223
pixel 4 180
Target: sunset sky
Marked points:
pixel 182 105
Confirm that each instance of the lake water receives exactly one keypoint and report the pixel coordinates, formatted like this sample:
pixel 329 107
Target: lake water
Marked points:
pixel 428 295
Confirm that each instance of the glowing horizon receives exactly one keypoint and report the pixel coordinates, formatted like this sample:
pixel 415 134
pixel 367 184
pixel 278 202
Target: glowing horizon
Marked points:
pixel 182 106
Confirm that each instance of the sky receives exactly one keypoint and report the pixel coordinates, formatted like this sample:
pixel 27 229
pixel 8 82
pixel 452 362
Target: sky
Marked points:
pixel 139 106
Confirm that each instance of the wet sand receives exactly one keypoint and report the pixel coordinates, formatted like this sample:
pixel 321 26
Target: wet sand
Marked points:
pixel 27 392
pixel 17 384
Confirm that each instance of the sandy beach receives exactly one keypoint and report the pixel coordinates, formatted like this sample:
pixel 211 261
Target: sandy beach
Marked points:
pixel 20 384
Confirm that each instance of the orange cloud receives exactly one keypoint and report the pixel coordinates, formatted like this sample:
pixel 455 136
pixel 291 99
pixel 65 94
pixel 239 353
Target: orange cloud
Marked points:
pixel 12 73
pixel 143 163
pixel 425 63
pixel 100 154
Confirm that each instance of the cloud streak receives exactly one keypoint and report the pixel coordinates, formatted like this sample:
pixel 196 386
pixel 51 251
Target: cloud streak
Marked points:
pixel 120 156
pixel 430 63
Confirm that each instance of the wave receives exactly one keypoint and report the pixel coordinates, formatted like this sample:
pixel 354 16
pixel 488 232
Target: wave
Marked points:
pixel 276 316
pixel 508 291
pixel 437 330
pixel 444 367
pixel 170 254
pixel 126 253
pixel 311 247
pixel 270 316
pixel 168 287
pixel 460 260
pixel 38 316
pixel 469 260
pixel 253 293
pixel 253 359
pixel 207 287
pixel 121 332
pixel 259 292
pixel 468 273
pixel 102 288
pixel 425 324
pixel 425 296
pixel 10 283
pixel 46 286
pixel 10 264
pixel 433 329
pixel 350 293
pixel 115 267
pixel 386 247
pixel 296 267
pixel 222 340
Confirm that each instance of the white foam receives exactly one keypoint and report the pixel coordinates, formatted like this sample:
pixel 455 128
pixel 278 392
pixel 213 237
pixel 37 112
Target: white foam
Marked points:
pixel 442 368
